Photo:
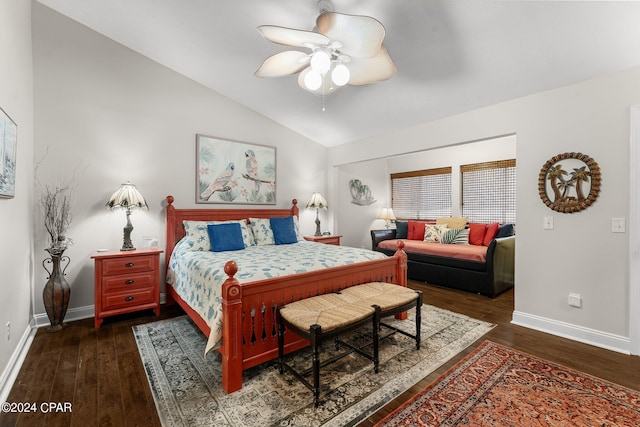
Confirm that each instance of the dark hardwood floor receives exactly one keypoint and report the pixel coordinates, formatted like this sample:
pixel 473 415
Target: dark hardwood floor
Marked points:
pixel 100 374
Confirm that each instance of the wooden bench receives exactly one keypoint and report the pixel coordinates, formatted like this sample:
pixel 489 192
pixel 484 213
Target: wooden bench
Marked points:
pixel 330 315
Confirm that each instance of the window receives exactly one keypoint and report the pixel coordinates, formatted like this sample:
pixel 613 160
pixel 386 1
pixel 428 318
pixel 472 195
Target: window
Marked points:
pixel 489 191
pixel 424 194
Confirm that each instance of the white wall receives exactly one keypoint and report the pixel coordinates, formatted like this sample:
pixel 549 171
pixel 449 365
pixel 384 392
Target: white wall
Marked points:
pixel 113 116
pixel 581 255
pixel 355 222
pixel 16 214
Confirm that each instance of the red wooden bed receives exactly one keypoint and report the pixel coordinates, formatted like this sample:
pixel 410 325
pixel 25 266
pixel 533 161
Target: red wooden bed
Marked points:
pixel 249 335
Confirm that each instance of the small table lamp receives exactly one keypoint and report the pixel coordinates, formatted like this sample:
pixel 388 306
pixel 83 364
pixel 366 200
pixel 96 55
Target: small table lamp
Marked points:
pixel 127 197
pixel 387 215
pixel 318 202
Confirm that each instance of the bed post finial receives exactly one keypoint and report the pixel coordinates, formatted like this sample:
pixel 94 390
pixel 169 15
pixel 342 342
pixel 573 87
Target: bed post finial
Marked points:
pixel 170 200
pixel 230 268
pixel 294 208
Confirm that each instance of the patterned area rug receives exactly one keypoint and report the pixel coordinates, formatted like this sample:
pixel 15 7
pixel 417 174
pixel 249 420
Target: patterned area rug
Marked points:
pixel 188 392
pixel 500 386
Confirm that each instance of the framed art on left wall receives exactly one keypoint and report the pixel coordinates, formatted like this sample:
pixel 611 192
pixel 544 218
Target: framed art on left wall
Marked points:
pixel 234 172
pixel 8 143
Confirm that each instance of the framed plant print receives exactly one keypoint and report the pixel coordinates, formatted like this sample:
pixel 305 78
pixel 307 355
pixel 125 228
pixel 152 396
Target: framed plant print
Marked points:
pixel 234 172
pixel 8 145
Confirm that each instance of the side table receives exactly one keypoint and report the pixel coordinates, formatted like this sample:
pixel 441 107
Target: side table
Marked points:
pixel 327 239
pixel 126 281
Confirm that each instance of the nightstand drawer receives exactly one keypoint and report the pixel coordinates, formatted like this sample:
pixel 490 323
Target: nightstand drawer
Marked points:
pixel 125 282
pixel 128 299
pixel 126 265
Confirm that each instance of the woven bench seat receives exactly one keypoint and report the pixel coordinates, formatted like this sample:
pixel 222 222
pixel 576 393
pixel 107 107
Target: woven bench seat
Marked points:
pixel 386 295
pixel 332 314
pixel 391 299
pixel 330 311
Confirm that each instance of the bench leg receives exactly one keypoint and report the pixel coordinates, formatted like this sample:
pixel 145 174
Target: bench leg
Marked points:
pixel 280 340
pixel 316 332
pixel 376 338
pixel 418 318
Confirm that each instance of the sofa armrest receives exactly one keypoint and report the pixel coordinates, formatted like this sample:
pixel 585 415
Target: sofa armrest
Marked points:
pixel 378 236
pixel 501 264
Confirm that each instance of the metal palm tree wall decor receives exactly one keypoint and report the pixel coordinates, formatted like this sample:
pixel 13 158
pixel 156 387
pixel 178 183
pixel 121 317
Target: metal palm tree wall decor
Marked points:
pixel 570 186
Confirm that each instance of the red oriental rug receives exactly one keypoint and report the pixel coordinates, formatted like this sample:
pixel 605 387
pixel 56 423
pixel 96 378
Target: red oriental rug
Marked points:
pixel 499 386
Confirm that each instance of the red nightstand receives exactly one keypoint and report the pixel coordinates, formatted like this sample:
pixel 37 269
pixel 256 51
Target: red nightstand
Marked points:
pixel 126 281
pixel 330 239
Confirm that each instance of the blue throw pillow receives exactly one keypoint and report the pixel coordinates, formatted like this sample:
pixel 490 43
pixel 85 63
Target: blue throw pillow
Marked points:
pixel 506 230
pixel 284 231
pixel 402 229
pixel 225 237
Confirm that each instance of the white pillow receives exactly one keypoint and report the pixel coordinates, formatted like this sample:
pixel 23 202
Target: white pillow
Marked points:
pixel 433 233
pixel 198 235
pixel 296 225
pixel 262 231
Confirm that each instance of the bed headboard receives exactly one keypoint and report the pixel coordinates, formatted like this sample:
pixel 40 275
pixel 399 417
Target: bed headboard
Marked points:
pixel 174 228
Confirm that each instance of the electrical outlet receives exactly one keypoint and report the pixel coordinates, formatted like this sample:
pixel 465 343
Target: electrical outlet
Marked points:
pixel 547 223
pixel 575 300
pixel 8 331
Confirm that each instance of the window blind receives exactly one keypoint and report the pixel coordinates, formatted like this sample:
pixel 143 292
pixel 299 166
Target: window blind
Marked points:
pixel 489 191
pixel 424 194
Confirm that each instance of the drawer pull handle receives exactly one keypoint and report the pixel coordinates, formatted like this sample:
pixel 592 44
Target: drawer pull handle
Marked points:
pixel 129 282
pixel 129 264
pixel 129 298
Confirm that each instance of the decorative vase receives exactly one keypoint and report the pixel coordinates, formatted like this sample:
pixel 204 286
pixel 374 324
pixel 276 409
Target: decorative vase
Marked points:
pixel 56 292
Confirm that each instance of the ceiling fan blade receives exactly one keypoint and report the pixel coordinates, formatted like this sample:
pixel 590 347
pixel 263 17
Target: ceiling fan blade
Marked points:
pixel 291 37
pixel 283 64
pixel 361 36
pixel 370 70
pixel 329 87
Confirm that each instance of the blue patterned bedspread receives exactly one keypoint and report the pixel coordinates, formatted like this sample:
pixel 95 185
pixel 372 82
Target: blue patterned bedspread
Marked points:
pixel 197 276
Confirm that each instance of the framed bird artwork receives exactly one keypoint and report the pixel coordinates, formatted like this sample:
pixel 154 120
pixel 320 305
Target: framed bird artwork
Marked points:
pixel 234 172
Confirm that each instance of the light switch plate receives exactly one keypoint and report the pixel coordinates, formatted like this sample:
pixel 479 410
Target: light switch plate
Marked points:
pixel 547 223
pixel 618 225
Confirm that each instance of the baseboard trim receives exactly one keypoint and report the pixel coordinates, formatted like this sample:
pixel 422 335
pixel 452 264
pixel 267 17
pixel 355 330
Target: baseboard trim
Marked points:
pixel 77 313
pixel 12 369
pixel 10 372
pixel 594 337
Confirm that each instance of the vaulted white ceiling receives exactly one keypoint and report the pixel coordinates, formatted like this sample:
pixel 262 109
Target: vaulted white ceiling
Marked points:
pixel 451 56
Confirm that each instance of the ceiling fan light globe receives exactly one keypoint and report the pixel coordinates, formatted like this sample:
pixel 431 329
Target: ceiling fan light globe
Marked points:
pixel 320 62
pixel 313 80
pixel 340 75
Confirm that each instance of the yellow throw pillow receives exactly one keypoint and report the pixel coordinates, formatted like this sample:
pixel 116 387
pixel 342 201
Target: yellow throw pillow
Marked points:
pixel 453 223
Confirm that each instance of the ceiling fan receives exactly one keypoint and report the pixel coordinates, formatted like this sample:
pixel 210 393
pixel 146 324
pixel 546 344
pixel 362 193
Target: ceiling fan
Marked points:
pixel 343 49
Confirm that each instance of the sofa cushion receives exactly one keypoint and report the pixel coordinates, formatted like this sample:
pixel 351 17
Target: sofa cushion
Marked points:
pixel 457 223
pixel 468 257
pixel 476 233
pixel 433 233
pixel 455 236
pixel 506 230
pixel 402 229
pixel 416 230
pixel 492 230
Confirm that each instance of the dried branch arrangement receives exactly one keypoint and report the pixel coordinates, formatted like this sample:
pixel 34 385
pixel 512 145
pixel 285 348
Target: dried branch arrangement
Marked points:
pixel 56 208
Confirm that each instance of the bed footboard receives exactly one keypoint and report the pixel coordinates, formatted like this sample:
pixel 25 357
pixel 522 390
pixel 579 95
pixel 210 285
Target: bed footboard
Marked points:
pixel 249 335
